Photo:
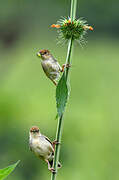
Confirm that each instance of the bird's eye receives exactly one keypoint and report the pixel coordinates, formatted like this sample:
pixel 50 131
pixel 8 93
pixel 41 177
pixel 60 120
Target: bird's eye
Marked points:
pixel 45 52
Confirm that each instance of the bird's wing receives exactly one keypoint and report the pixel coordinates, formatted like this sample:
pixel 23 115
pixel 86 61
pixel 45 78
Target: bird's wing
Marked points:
pixel 60 69
pixel 53 63
pixel 46 138
pixel 44 68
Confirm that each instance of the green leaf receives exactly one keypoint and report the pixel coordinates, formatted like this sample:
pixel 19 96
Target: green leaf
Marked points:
pixel 6 171
pixel 61 95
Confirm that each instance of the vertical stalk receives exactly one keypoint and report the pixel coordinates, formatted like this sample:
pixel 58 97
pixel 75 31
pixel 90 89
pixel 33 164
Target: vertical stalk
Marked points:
pixel 73 9
pixel 60 120
pixel 69 50
pixel 57 148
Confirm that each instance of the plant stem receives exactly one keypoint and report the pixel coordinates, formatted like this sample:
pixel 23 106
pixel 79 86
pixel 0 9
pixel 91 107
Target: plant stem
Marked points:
pixel 72 16
pixel 57 148
pixel 73 9
pixel 60 120
pixel 69 50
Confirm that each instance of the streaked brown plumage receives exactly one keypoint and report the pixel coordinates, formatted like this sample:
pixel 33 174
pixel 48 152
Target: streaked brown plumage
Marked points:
pixel 50 65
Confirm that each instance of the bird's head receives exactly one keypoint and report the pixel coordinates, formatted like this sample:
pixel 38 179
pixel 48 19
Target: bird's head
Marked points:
pixel 44 54
pixel 34 131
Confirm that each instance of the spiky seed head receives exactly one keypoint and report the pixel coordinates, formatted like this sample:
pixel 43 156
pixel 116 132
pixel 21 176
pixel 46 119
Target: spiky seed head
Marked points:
pixel 68 29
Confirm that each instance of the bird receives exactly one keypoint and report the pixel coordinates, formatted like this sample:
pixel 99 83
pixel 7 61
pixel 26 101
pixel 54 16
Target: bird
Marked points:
pixel 50 65
pixel 42 147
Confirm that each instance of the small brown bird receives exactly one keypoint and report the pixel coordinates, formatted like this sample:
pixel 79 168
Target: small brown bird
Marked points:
pixel 42 147
pixel 50 65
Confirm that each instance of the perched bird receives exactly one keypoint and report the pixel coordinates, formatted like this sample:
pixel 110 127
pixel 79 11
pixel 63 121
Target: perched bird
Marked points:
pixel 50 65
pixel 42 147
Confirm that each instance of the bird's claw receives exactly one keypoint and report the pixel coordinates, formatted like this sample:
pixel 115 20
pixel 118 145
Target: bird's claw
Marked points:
pixel 55 142
pixel 65 66
pixel 68 65
pixel 53 170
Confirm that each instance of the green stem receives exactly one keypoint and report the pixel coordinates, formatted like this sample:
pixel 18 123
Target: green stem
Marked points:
pixel 60 120
pixel 57 148
pixel 73 9
pixel 69 50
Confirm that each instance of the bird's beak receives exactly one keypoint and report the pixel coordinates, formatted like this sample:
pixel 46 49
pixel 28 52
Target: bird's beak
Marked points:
pixel 39 55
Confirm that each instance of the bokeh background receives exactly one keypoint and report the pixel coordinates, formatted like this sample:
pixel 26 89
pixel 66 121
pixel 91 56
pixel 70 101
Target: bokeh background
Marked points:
pixel 90 146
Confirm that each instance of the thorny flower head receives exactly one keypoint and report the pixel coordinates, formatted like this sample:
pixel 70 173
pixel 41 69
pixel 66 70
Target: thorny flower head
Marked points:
pixel 75 29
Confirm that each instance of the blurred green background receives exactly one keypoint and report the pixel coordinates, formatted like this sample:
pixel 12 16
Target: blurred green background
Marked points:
pixel 90 148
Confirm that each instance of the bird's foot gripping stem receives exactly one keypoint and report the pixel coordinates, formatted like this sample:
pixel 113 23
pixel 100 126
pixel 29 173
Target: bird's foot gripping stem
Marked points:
pixel 55 142
pixel 65 66
pixel 50 168
pixel 53 170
